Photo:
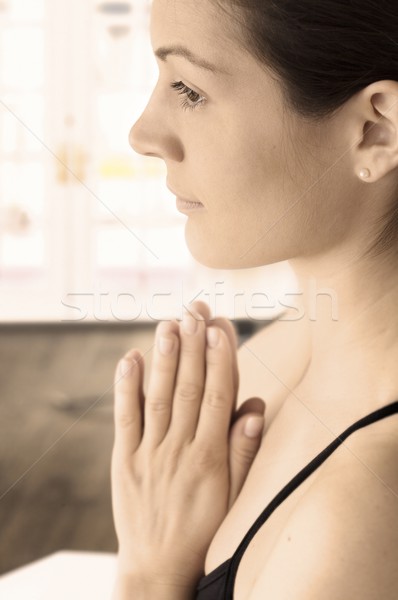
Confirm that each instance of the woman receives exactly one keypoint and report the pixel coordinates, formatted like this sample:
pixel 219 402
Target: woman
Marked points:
pixel 278 124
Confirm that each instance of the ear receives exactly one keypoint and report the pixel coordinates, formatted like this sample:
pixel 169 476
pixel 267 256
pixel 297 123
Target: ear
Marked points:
pixel 376 146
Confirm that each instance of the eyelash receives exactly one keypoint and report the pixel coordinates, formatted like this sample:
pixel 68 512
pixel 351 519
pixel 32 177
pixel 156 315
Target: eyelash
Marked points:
pixel 184 90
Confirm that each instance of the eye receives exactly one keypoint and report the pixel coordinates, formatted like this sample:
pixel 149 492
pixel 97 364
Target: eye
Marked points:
pixel 191 99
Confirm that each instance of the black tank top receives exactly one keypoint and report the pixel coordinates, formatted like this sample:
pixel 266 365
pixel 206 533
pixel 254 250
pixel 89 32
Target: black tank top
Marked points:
pixel 219 584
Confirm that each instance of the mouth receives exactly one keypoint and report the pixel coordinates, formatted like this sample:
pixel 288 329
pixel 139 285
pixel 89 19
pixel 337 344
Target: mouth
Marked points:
pixel 184 205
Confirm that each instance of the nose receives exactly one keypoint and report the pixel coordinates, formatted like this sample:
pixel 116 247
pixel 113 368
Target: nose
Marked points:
pixel 153 134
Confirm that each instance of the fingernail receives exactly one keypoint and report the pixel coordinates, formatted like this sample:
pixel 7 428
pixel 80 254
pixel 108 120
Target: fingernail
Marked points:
pixel 254 426
pixel 165 345
pixel 127 365
pixel 189 323
pixel 212 336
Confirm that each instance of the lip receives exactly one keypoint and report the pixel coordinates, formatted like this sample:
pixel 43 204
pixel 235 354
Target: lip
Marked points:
pixel 184 205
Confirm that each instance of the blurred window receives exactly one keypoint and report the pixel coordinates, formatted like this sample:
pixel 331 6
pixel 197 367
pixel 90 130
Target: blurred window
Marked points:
pixel 88 229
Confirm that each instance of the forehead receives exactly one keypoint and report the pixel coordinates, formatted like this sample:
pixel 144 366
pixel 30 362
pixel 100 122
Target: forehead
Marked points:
pixel 199 25
pixel 208 32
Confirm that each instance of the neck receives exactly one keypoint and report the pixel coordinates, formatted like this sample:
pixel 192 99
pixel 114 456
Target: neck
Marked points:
pixel 350 307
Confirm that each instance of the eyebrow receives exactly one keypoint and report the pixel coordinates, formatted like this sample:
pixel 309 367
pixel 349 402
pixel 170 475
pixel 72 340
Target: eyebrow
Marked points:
pixel 165 51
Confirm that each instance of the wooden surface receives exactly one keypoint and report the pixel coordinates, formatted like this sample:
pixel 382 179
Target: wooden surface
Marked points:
pixel 56 435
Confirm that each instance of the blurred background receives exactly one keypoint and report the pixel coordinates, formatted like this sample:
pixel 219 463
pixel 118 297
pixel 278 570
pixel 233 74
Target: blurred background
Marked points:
pixel 92 256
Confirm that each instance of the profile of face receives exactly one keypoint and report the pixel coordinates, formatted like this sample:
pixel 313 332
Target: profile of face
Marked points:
pixel 262 173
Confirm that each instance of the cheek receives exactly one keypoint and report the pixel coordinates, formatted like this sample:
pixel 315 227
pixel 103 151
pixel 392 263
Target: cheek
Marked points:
pixel 260 205
pixel 244 199
pixel 243 173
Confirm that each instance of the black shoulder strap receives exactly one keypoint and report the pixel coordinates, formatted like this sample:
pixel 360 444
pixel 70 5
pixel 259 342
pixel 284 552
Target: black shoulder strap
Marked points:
pixel 378 414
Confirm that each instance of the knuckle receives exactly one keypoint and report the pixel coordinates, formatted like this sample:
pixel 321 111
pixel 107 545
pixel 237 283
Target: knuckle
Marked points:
pixel 124 420
pixel 188 391
pixel 190 349
pixel 215 399
pixel 208 459
pixel 212 358
pixel 157 404
pixel 124 471
pixel 173 458
pixel 242 455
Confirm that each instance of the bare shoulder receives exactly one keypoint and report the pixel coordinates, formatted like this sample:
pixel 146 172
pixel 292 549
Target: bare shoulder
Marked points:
pixel 341 540
pixel 272 362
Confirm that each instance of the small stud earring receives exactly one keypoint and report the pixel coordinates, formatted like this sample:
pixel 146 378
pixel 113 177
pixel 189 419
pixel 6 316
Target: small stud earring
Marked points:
pixel 364 173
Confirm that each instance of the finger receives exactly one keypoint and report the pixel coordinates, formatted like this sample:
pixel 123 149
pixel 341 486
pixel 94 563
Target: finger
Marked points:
pixel 127 410
pixel 203 309
pixel 252 405
pixel 159 397
pixel 141 365
pixel 229 329
pixel 245 441
pixel 216 408
pixel 190 379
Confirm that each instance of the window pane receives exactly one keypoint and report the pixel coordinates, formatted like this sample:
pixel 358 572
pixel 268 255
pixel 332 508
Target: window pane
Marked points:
pixel 25 9
pixel 22 53
pixel 24 185
pixel 168 243
pixel 22 123
pixel 23 251
pixel 119 247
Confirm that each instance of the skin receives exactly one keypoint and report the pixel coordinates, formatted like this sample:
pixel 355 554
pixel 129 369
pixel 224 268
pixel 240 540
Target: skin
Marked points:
pixel 273 190
pixel 176 454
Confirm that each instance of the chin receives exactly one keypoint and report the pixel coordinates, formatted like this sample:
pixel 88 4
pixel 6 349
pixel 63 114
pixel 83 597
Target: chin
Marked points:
pixel 217 258
pixel 208 257
pixel 231 258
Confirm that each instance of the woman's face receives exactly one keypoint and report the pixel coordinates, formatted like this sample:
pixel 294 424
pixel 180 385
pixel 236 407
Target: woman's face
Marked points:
pixel 232 145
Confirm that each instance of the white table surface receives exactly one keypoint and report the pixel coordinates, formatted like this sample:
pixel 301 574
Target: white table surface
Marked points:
pixel 64 575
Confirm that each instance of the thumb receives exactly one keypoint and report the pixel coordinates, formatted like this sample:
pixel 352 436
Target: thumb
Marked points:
pixel 244 441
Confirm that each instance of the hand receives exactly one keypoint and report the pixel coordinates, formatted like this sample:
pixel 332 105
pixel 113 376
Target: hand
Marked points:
pixel 242 449
pixel 171 479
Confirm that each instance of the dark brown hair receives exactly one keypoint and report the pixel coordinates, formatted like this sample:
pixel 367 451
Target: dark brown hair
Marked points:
pixel 323 52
